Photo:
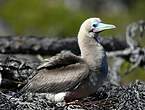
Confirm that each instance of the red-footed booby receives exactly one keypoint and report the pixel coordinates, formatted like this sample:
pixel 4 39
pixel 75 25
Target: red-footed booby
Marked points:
pixel 72 77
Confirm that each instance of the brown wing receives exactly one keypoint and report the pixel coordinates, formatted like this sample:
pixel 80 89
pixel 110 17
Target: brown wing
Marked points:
pixel 63 59
pixel 63 72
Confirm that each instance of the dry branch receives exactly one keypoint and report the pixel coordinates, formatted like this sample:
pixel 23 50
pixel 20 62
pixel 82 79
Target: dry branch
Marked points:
pixel 50 46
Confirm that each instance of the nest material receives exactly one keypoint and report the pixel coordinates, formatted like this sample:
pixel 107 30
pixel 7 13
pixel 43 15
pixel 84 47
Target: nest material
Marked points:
pixel 107 97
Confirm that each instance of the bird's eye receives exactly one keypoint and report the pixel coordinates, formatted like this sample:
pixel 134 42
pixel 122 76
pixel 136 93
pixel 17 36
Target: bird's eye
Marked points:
pixel 95 25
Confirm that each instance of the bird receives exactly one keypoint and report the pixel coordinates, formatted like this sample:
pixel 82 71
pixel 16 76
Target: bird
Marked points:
pixel 70 77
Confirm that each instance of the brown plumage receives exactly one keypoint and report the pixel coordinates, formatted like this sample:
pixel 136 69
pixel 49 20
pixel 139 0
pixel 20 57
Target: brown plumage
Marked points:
pixel 60 73
pixel 69 76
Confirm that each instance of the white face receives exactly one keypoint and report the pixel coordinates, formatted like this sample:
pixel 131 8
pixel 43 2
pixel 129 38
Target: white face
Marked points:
pixel 95 25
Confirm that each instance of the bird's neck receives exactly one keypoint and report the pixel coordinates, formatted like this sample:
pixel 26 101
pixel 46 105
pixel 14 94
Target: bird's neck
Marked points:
pixel 91 51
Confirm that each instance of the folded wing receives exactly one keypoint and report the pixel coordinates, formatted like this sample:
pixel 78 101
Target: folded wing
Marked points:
pixel 60 73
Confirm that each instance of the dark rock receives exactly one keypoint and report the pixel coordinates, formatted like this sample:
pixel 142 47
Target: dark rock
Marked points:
pixel 15 69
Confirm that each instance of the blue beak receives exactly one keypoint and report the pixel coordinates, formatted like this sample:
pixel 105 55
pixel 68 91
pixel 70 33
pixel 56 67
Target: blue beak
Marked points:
pixel 103 26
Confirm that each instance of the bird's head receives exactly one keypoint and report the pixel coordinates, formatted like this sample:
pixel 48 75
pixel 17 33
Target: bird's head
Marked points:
pixel 93 26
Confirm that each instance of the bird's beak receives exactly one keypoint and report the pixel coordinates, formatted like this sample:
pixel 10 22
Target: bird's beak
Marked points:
pixel 103 26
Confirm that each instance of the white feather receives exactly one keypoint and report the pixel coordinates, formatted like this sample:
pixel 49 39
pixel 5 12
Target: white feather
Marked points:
pixel 60 97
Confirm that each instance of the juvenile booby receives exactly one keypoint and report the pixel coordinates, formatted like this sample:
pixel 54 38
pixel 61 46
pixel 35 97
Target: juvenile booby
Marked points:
pixel 72 77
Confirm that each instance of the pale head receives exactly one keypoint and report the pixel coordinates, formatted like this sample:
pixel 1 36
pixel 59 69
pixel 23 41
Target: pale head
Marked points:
pixel 93 26
pixel 88 39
